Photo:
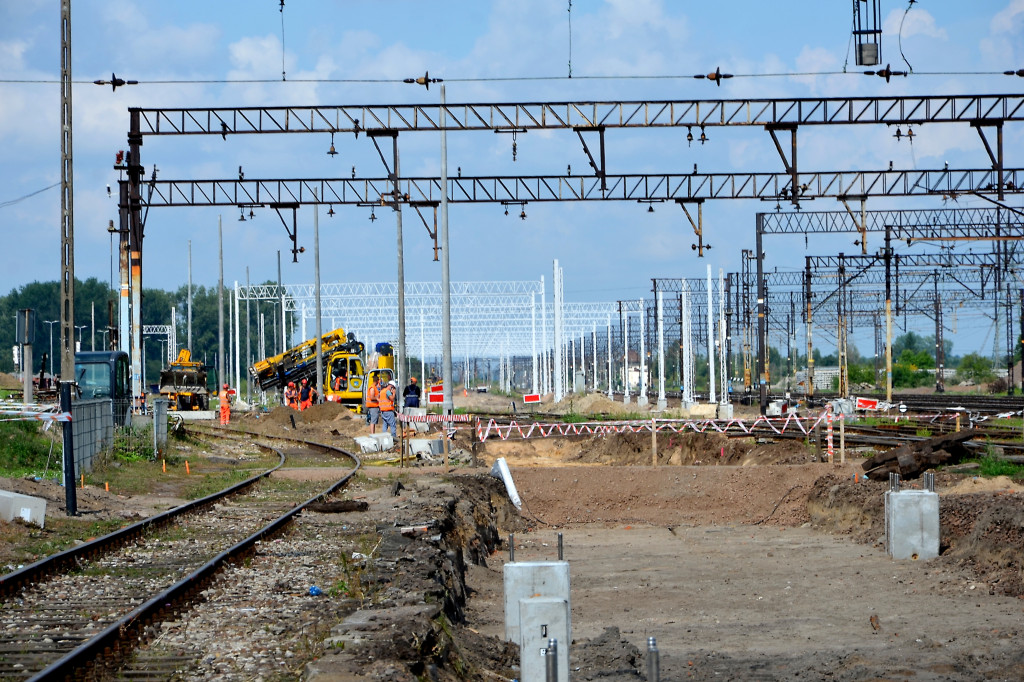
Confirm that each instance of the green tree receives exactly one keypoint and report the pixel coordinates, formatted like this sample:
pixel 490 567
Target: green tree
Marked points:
pixel 974 367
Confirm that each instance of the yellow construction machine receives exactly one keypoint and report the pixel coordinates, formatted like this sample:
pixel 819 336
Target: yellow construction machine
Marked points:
pixel 183 383
pixel 345 379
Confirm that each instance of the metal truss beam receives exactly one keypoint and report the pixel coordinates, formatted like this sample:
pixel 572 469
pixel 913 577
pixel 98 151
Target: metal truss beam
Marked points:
pixel 914 260
pixel 525 189
pixel 899 110
pixel 488 318
pixel 932 224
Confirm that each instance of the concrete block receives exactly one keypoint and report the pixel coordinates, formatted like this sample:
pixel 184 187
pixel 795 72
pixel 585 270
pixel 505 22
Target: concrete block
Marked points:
pixel 419 427
pixel 542 619
pixel 528 579
pixel 28 508
pixel 912 524
pixel 384 441
pixel 702 411
pixel 725 410
pixel 426 447
pixel 367 444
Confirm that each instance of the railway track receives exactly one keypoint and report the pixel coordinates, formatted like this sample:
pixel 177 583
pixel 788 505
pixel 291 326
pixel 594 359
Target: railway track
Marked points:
pixel 79 612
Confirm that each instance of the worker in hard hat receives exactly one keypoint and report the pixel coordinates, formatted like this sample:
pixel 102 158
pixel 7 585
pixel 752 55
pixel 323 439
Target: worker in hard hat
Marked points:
pixel 373 401
pixel 225 405
pixel 387 407
pixel 291 396
pixel 411 394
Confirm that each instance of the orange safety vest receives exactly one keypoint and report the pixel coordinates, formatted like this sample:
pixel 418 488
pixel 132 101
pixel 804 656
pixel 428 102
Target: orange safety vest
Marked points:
pixel 387 399
pixel 372 396
pixel 225 402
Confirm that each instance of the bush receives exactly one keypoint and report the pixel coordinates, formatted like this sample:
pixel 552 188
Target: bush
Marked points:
pixel 24 446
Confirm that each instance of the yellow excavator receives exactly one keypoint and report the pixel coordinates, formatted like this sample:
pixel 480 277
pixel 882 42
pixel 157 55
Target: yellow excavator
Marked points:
pixel 345 378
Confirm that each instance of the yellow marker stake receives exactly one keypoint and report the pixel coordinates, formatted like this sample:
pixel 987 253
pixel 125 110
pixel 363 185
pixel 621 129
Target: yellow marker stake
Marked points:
pixel 186 467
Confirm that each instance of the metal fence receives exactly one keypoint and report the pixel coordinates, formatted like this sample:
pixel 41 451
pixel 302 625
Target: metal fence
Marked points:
pixel 92 427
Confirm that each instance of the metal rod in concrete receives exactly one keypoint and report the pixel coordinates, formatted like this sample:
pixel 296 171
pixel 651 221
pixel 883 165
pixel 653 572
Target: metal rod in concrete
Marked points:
pixel 561 548
pixel 511 546
pixel 653 661
pixel 551 661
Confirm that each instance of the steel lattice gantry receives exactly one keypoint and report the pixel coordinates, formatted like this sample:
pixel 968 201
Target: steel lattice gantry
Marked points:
pixel 840 288
pixel 489 319
pixel 590 119
pixel 898 110
pixel 680 187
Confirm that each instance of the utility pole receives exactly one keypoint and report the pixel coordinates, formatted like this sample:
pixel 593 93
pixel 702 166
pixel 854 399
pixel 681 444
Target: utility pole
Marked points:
pixel 888 314
pixel 190 296
pixel 67 210
pixel 762 374
pixel 220 305
pixel 316 289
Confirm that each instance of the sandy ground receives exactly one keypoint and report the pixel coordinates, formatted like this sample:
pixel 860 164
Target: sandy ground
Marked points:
pixel 743 602
pixel 722 566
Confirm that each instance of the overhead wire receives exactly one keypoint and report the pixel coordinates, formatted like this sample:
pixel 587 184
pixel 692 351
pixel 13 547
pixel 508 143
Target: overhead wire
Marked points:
pixel 900 35
pixel 490 79
pixel 11 202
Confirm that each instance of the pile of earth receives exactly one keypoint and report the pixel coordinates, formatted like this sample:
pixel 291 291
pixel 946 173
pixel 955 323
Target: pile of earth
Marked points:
pixel 629 448
pixel 9 382
pixel 981 522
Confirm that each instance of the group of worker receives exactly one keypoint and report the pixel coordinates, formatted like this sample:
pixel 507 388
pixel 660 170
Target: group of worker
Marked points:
pixel 301 398
pixel 381 399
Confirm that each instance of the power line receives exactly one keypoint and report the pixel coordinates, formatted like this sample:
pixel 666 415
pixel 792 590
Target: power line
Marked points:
pixel 508 79
pixel 11 202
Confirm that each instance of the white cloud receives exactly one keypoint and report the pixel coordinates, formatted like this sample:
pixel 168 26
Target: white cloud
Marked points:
pixel 918 22
pixel 1010 20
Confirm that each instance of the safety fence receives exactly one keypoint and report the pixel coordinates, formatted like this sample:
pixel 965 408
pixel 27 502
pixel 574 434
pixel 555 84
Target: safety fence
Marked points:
pixel 92 428
pixel 493 428
pixel 43 413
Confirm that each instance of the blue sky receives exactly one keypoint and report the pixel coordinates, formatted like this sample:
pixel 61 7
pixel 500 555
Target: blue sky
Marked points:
pixel 608 251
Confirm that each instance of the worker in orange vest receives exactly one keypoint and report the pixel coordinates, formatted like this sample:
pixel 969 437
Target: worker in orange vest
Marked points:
pixel 225 405
pixel 387 407
pixel 306 395
pixel 291 396
pixel 373 403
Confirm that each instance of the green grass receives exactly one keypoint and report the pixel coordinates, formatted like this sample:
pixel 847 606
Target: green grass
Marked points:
pixel 990 466
pixel 25 450
pixel 24 544
pixel 214 483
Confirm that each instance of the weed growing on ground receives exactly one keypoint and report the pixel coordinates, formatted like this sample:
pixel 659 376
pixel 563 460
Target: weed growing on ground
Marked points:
pixel 26 450
pixel 990 466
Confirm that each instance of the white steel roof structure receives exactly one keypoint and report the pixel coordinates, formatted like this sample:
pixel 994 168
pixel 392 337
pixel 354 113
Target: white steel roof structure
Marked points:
pixel 489 319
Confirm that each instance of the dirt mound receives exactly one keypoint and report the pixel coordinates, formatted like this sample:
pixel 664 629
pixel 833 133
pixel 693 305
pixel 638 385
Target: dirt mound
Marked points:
pixel 9 382
pixel 978 484
pixel 324 412
pixel 628 448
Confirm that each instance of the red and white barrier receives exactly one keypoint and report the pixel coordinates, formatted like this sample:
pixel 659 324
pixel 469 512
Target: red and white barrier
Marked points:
pixel 779 425
pixel 435 418
pixel 45 414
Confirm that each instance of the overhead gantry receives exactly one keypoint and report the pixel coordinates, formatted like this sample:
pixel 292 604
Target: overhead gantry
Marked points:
pixel 588 120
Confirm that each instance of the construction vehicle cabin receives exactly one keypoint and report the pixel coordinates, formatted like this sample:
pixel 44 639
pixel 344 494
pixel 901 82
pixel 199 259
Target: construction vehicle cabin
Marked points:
pixel 345 380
